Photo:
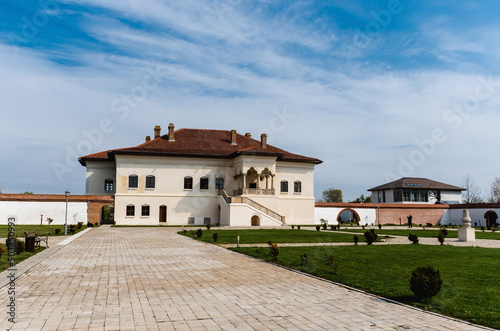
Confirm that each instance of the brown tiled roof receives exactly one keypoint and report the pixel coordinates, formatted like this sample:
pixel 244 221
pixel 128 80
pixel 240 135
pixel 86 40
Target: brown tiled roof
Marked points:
pixel 201 143
pixel 416 183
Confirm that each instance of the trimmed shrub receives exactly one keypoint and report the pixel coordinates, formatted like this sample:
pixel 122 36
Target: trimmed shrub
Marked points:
pixel 370 236
pixel 324 226
pixel 57 231
pixel 442 235
pixel 304 260
pixel 333 227
pixel 331 263
pixel 275 251
pixel 413 238
pixel 380 226
pixel 318 227
pixel 215 236
pixel 208 226
pixel 199 233
pixel 16 244
pixel 293 227
pixel 356 240
pixel 298 227
pixel 425 282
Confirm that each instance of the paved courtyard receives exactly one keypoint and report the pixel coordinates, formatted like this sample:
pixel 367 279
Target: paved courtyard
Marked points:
pixel 152 279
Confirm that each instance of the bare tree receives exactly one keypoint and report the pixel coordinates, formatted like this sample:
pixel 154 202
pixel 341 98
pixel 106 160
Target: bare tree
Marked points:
pixel 472 193
pixel 495 190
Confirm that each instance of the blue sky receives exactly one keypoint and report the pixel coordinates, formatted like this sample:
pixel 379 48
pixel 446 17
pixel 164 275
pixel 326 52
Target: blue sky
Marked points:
pixel 376 89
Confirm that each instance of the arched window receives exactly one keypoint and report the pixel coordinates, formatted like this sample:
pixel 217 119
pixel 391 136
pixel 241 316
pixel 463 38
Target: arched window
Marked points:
pixel 108 185
pixel 219 183
pixel 130 210
pixel 204 183
pixel 133 181
pixel 188 183
pixel 297 187
pixel 284 186
pixel 150 181
pixel 145 210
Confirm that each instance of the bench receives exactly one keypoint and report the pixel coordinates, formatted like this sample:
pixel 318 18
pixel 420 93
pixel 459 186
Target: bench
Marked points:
pixel 38 239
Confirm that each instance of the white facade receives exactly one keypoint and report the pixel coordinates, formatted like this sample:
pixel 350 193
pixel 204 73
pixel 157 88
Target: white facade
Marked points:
pixel 446 195
pixel 259 188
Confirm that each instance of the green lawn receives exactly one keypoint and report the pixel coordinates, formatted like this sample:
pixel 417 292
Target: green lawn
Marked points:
pixel 4 261
pixel 41 230
pixel 427 233
pixel 262 236
pixel 470 291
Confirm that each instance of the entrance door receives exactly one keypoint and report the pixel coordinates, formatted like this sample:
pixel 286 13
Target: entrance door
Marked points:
pixel 491 218
pixel 163 214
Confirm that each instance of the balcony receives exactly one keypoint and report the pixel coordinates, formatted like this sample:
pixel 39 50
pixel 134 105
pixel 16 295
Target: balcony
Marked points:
pixel 253 191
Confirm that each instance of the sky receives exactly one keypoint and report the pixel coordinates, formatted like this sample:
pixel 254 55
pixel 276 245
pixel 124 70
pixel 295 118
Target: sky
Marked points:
pixel 378 90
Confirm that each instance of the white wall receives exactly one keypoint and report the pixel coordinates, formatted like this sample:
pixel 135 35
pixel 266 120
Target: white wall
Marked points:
pixel 454 216
pixel 367 216
pixel 28 212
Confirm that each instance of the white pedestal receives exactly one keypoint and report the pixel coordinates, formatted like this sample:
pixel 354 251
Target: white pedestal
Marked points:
pixel 466 234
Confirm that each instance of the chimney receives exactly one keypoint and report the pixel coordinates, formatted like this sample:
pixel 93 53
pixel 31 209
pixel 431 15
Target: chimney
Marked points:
pixel 171 129
pixel 148 138
pixel 157 131
pixel 233 137
pixel 248 134
pixel 263 140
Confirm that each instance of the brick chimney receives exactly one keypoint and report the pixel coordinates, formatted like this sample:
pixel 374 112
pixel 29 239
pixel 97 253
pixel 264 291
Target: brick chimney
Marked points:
pixel 157 131
pixel 233 137
pixel 171 129
pixel 148 138
pixel 248 134
pixel 263 140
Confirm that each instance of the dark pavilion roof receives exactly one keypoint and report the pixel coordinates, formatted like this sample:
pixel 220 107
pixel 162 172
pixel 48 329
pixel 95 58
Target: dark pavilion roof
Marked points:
pixel 416 183
pixel 201 143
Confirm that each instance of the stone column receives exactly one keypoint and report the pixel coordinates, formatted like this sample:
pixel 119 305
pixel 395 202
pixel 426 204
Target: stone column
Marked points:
pixel 466 232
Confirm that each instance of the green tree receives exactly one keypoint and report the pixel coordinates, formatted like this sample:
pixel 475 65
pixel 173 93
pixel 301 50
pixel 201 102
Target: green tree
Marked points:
pixel 28 192
pixel 363 199
pixel 332 195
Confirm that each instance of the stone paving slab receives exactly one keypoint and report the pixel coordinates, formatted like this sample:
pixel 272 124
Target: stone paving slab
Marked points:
pixel 154 279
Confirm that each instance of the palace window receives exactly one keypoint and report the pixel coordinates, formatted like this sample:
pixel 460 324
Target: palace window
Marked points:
pixel 204 183
pixel 284 186
pixel 188 183
pixel 133 181
pixel 145 210
pixel 108 185
pixel 130 210
pixel 150 181
pixel 219 184
pixel 297 187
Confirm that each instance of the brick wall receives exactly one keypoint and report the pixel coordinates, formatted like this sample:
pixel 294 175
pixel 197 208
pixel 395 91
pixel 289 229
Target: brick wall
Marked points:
pixel 419 215
pixel 391 212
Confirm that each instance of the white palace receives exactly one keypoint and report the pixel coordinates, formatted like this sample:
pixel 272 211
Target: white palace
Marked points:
pixel 193 176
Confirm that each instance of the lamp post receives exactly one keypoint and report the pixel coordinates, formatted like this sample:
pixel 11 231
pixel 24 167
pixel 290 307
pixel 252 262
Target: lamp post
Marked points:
pixel 66 215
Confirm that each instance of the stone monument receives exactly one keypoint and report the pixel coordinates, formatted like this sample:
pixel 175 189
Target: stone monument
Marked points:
pixel 466 232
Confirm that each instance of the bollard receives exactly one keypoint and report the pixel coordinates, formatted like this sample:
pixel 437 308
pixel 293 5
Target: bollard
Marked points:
pixel 238 242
